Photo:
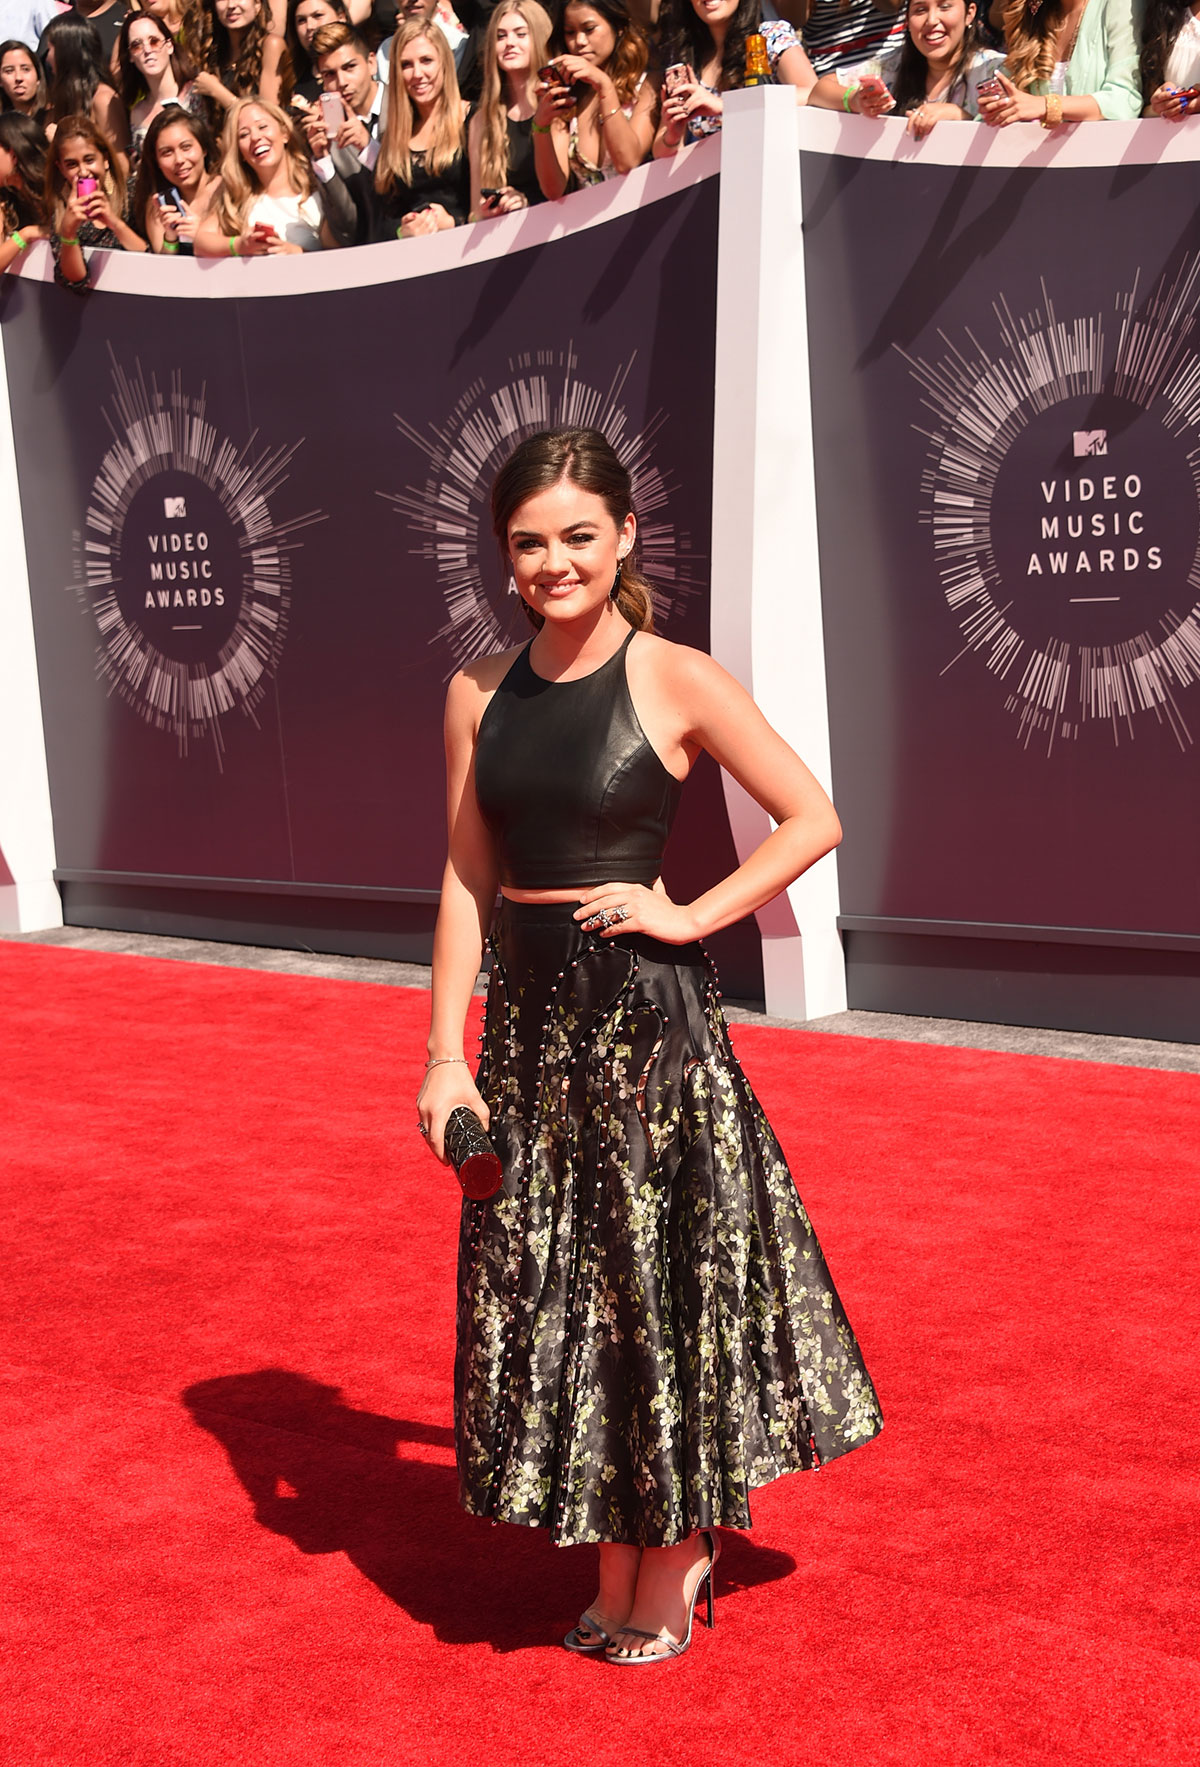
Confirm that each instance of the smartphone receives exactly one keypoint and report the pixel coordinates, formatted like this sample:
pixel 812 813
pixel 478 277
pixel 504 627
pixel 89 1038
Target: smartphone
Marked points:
pixel 674 76
pixel 333 112
pixel 552 76
pixel 86 186
pixel 487 191
pixel 265 230
pixel 990 88
pixel 1187 95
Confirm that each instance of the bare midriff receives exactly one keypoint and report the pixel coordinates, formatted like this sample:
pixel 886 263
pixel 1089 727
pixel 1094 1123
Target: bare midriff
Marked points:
pixel 579 893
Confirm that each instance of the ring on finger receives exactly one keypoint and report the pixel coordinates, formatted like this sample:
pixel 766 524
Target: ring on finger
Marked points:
pixel 424 1130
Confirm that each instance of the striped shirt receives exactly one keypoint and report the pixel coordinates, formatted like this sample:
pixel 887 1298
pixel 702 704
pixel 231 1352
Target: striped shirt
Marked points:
pixel 837 36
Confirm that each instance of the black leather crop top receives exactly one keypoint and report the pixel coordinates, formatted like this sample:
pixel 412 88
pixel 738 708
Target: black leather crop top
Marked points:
pixel 568 784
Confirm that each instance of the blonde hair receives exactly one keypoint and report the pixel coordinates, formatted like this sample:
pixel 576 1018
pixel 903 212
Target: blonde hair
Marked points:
pixel 239 184
pixel 395 156
pixel 1030 42
pixel 493 102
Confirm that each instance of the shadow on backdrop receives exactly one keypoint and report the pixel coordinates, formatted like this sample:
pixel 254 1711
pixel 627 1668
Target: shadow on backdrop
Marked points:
pixel 385 1492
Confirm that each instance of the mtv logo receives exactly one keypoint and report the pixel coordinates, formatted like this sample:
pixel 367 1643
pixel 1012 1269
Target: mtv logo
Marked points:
pixel 175 508
pixel 1090 441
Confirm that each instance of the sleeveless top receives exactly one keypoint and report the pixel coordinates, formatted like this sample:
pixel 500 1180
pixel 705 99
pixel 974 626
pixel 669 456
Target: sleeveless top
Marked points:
pixel 567 783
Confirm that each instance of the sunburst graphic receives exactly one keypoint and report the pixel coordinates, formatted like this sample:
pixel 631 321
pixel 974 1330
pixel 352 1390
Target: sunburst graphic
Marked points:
pixel 449 519
pixel 183 564
pixel 1062 488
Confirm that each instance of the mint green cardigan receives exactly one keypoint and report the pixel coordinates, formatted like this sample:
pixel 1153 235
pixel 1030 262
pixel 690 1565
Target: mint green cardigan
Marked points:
pixel 1104 62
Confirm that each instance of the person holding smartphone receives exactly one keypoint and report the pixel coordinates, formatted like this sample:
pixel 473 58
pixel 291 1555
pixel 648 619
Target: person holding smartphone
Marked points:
pixel 703 48
pixel 269 204
pixel 500 142
pixel 85 192
pixel 1069 61
pixel 934 76
pixel 1170 60
pixel 601 108
pixel 22 185
pixel 177 182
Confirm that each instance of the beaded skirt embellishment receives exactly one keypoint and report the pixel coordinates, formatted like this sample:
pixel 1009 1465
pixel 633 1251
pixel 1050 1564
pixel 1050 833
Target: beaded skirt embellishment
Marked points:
pixel 647 1329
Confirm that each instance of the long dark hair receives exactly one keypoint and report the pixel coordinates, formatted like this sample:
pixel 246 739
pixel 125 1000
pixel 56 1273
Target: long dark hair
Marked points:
pixel 150 179
pixel 631 55
pixel 586 458
pixel 133 86
pixel 683 36
pixel 25 140
pixel 39 102
pixel 57 188
pixel 1161 25
pixel 78 65
pixel 247 69
pixel 302 67
pixel 912 69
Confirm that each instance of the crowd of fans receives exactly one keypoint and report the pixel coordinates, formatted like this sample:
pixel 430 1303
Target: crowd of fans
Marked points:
pixel 258 127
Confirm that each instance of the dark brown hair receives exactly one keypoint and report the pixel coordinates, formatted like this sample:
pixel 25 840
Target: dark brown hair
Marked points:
pixel 588 459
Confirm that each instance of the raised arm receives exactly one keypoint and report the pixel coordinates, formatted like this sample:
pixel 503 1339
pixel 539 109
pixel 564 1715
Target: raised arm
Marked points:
pixel 468 893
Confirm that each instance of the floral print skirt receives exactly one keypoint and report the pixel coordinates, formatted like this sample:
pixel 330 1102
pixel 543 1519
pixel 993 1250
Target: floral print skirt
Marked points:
pixel 647 1329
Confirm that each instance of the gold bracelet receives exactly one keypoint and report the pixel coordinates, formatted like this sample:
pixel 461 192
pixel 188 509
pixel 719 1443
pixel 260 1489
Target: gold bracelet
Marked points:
pixel 1053 114
pixel 611 114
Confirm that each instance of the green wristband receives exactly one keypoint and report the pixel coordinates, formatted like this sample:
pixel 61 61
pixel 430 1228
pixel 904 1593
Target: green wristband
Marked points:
pixel 170 245
pixel 18 241
pixel 233 250
pixel 540 129
pixel 847 95
pixel 63 241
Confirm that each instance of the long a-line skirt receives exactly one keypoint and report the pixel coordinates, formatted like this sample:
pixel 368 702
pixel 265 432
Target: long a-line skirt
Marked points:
pixel 647 1329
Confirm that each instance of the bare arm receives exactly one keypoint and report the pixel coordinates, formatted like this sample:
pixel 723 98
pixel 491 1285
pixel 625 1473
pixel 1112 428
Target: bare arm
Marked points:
pixel 270 83
pixel 710 710
pixel 468 892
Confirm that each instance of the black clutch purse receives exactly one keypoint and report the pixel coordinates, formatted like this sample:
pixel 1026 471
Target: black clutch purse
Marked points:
pixel 472 1155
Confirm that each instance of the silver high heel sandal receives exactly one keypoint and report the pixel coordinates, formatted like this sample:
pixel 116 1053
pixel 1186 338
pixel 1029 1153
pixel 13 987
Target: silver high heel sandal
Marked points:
pixel 592 1646
pixel 673 1650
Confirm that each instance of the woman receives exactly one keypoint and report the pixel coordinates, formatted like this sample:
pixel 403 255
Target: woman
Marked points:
pixel 841 33
pixel 707 40
pixel 79 82
pixel 1170 59
pixel 184 22
pixel 611 130
pixel 499 139
pixel 304 19
pixel 22 87
pixel 422 178
pixel 933 77
pixel 243 58
pixel 1069 61
pixel 268 206
pixel 22 185
pixel 94 216
pixel 154 73
pixel 646 1327
pixel 178 160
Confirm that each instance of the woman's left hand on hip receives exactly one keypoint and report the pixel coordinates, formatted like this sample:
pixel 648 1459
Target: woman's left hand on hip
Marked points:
pixel 614 908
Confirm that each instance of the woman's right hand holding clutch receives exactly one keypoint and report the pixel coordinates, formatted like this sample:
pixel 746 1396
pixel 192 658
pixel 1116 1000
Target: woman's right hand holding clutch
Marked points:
pixel 446 1085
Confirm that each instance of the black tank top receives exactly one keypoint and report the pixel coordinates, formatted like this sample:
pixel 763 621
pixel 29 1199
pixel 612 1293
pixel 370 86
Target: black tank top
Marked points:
pixel 567 783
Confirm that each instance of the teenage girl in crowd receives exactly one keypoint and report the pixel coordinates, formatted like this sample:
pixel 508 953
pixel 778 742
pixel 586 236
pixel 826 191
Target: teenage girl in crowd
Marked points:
pixel 93 216
pixel 183 20
pixel 22 185
pixel 305 18
pixel 178 157
pixel 153 71
pixel 1170 62
pixel 707 39
pixel 1069 61
pixel 499 141
pixel 597 44
pixel 422 181
pixel 844 33
pixel 243 58
pixel 79 83
pixel 269 204
pixel 22 87
pixel 932 77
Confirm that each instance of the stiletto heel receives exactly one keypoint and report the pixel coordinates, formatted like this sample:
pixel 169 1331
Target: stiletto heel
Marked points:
pixel 704 1581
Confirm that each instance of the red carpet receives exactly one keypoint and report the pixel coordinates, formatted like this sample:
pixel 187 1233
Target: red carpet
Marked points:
pixel 232 1531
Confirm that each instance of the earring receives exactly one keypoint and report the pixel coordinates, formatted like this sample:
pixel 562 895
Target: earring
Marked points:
pixel 616 588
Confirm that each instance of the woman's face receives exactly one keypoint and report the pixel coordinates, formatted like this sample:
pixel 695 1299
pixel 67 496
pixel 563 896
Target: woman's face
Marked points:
pixel 936 26
pixel 80 158
pixel 310 16
pixel 512 44
pixel 564 546
pixel 421 71
pixel 149 47
pixel 237 15
pixel 715 12
pixel 18 76
pixel 587 33
pixel 180 156
pixel 260 141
